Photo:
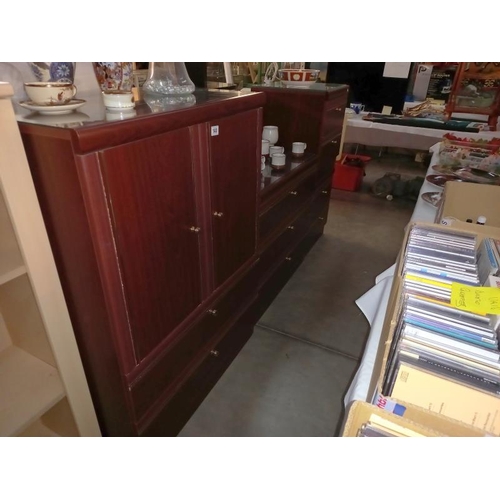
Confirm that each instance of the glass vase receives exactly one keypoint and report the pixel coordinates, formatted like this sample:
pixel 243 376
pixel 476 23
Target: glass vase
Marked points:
pixel 168 78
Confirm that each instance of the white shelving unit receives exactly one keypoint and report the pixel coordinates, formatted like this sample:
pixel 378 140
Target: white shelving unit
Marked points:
pixel 43 389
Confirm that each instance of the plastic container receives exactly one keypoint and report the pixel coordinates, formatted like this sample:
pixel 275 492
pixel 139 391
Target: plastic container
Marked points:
pixel 348 176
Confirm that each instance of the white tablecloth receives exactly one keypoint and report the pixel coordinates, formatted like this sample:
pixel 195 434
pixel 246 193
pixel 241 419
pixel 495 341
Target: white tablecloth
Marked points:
pixel 359 131
pixel 373 303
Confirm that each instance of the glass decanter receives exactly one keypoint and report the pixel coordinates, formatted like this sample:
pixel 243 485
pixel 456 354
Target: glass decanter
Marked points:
pixel 170 78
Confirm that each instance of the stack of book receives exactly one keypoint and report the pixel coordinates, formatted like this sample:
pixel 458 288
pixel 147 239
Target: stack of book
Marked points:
pixel 378 426
pixel 442 358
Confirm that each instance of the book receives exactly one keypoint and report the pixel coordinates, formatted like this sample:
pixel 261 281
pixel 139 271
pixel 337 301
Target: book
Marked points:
pixel 389 426
pixel 449 370
pixel 447 397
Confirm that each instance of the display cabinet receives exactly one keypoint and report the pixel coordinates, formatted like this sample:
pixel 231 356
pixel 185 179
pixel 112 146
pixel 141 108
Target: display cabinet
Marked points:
pixel 476 90
pixel 294 202
pixel 170 242
pixel 152 220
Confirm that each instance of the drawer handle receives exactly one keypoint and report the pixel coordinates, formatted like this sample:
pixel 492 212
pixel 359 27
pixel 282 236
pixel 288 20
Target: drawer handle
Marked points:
pixel 288 259
pixel 294 193
pixel 324 191
pixel 218 214
pixel 291 227
pixel 338 109
pixel 335 142
pixel 213 312
pixel 214 353
pixel 321 218
pixel 195 229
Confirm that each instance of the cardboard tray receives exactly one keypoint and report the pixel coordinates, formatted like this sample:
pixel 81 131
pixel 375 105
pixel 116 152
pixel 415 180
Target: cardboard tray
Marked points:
pixel 416 419
pixel 466 200
pixel 395 296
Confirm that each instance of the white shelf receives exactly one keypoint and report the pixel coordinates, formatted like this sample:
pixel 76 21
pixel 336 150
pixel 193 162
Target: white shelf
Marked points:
pixel 37 429
pixel 12 274
pixel 28 388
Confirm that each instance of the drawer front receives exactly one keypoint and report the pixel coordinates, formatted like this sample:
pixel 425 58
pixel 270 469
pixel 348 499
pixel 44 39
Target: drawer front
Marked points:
pixel 326 160
pixel 321 202
pixel 187 349
pixel 172 417
pixel 281 246
pixel 333 118
pixel 296 196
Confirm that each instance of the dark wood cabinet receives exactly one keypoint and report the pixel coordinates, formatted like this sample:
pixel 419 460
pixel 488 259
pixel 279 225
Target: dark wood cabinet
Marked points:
pixel 294 202
pixel 152 221
pixel 169 241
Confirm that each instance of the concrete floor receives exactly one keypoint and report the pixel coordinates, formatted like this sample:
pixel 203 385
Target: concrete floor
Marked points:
pixel 291 376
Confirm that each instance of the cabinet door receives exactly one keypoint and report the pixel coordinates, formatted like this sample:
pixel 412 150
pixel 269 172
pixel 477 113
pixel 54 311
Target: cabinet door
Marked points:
pixel 150 190
pixel 234 164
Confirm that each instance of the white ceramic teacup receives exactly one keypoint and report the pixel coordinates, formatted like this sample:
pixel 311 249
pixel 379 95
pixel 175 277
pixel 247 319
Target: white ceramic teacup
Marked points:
pixel 298 148
pixel 270 132
pixel 265 147
pixel 118 99
pixel 276 149
pixel 278 159
pixel 50 93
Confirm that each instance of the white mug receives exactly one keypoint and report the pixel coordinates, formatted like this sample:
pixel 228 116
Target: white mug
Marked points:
pixel 262 162
pixel 278 159
pixel 276 149
pixel 270 132
pixel 298 148
pixel 265 147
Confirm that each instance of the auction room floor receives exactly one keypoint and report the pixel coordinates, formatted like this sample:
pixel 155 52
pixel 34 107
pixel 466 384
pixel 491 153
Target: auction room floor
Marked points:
pixel 291 376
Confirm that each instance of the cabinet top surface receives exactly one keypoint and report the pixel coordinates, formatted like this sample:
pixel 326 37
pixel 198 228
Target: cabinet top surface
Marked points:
pixel 93 127
pixel 315 88
pixel 93 112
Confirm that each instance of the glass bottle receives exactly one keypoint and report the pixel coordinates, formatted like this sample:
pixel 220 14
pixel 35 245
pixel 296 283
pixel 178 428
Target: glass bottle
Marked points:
pixel 170 78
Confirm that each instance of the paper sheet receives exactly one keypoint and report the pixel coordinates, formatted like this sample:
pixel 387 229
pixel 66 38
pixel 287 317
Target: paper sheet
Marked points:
pixel 396 69
pixel 477 299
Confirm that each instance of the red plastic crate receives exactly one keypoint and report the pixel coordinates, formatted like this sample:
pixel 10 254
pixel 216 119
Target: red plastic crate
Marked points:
pixel 349 177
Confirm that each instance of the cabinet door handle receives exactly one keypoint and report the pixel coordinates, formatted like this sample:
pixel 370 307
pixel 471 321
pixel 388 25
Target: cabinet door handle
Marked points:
pixel 291 227
pixel 213 312
pixel 218 214
pixel 321 218
pixel 294 193
pixel 288 259
pixel 335 142
pixel 324 191
pixel 214 353
pixel 338 109
pixel 195 229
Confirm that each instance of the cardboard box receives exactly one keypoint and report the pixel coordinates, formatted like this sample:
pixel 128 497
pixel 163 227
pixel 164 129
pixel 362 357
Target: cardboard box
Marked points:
pixel 395 299
pixel 416 419
pixel 465 200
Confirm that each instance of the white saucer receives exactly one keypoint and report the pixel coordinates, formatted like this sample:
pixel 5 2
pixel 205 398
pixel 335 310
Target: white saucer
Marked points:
pixel 59 109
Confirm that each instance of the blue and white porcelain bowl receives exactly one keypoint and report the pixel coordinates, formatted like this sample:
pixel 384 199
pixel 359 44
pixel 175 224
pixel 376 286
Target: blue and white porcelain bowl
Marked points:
pixel 53 71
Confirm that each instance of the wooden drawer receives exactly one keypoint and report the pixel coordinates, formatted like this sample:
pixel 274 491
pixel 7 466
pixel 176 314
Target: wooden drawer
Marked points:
pixel 176 411
pixel 280 247
pixel 326 160
pixel 333 118
pixel 282 212
pixel 321 202
pixel 188 348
